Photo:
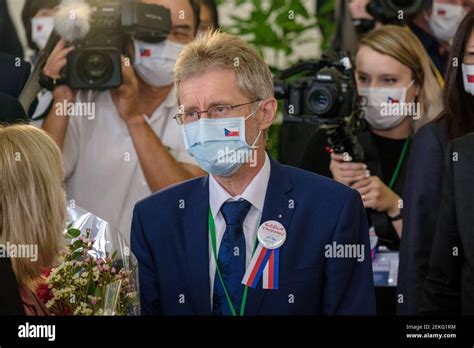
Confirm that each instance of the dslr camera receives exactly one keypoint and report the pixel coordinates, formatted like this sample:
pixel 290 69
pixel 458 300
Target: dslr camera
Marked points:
pixel 324 93
pixel 95 63
pixel 390 12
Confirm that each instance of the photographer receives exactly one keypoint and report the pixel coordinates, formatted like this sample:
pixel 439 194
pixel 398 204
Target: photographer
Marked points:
pixel 392 68
pixel 130 146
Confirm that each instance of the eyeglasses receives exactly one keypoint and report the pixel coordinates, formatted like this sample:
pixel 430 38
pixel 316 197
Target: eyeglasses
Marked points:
pixel 468 57
pixel 215 111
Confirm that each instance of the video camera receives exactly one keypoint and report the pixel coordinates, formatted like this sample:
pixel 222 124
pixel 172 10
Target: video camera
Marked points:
pixel 390 12
pixel 95 63
pixel 324 93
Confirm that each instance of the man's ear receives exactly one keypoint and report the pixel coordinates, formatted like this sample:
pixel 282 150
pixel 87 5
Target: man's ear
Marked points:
pixel 267 112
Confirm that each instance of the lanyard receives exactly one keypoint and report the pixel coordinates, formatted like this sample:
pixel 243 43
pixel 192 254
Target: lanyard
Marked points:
pixel 212 233
pixel 399 164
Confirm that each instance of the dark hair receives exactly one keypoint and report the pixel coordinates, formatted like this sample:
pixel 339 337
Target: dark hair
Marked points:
pixel 458 104
pixel 212 6
pixel 30 9
pixel 196 5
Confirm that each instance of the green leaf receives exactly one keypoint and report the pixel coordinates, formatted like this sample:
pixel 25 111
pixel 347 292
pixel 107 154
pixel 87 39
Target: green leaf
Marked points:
pixel 76 245
pixel 77 255
pixel 73 232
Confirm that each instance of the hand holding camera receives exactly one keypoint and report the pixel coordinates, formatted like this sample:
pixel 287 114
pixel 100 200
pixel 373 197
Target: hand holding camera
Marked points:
pixel 125 97
pixel 55 63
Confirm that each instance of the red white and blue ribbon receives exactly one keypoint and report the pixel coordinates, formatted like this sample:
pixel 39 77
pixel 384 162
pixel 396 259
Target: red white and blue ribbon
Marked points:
pixel 264 262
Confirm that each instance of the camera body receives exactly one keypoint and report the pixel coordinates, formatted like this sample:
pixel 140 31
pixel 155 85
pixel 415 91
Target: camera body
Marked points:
pixel 396 11
pixel 95 63
pixel 324 93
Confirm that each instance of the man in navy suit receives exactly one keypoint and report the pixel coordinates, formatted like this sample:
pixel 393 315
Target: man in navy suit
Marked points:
pixel 254 237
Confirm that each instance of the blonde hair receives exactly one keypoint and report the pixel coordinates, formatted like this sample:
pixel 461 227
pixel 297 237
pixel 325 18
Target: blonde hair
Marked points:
pixel 32 199
pixel 216 50
pixel 401 44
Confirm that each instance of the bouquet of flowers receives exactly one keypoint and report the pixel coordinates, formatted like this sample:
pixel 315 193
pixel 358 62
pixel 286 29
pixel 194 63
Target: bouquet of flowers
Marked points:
pixel 98 275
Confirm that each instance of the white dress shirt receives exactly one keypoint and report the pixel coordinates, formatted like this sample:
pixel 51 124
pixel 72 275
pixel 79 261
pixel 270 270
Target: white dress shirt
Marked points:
pixel 103 172
pixel 255 195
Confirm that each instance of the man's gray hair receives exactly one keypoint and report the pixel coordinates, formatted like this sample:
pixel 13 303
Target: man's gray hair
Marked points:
pixel 216 50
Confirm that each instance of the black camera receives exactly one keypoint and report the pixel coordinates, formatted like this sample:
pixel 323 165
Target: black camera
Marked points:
pixel 396 11
pixel 324 93
pixel 390 12
pixel 95 63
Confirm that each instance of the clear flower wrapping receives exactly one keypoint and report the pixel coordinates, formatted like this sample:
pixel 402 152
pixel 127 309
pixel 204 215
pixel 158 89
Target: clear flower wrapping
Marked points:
pixel 98 274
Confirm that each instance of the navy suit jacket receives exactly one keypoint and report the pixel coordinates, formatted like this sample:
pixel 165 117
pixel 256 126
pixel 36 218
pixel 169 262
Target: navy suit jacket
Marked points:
pixel 170 239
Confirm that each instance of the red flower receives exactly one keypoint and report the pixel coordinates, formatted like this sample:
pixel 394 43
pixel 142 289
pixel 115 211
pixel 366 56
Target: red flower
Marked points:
pixel 43 292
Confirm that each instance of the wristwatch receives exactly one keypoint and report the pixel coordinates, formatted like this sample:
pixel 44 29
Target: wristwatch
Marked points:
pixel 48 82
pixel 396 217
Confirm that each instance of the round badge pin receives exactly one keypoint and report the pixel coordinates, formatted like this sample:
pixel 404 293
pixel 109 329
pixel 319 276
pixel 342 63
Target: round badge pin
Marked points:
pixel 271 234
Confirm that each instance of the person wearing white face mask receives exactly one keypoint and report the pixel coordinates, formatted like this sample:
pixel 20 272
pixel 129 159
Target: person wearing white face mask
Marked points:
pixel 436 27
pixel 400 93
pixel 130 146
pixel 38 21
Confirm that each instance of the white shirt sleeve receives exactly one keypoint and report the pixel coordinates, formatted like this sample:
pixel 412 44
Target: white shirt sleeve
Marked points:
pixel 71 148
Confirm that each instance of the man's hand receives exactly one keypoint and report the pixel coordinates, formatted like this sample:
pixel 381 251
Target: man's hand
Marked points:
pixel 378 196
pixel 347 172
pixel 126 96
pixel 57 60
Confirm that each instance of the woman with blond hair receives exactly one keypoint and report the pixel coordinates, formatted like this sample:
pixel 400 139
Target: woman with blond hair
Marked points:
pixel 400 93
pixel 32 207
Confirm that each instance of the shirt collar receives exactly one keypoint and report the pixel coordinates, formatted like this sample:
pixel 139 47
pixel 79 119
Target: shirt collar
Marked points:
pixel 169 103
pixel 254 192
pixel 171 100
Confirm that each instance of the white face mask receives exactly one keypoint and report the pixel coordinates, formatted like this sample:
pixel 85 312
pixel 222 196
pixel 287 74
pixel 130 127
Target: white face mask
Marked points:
pixel 445 20
pixel 41 28
pixel 154 62
pixel 468 78
pixel 378 100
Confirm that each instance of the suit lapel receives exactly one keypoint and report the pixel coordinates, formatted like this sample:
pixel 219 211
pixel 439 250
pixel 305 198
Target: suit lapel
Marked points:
pixel 197 247
pixel 277 207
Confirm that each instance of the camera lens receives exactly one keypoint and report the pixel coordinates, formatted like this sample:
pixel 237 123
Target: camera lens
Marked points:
pixel 319 101
pixel 94 67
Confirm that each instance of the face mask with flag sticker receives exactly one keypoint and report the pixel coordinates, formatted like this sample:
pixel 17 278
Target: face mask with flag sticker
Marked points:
pixel 445 20
pixel 41 28
pixel 154 62
pixel 377 99
pixel 468 78
pixel 211 141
